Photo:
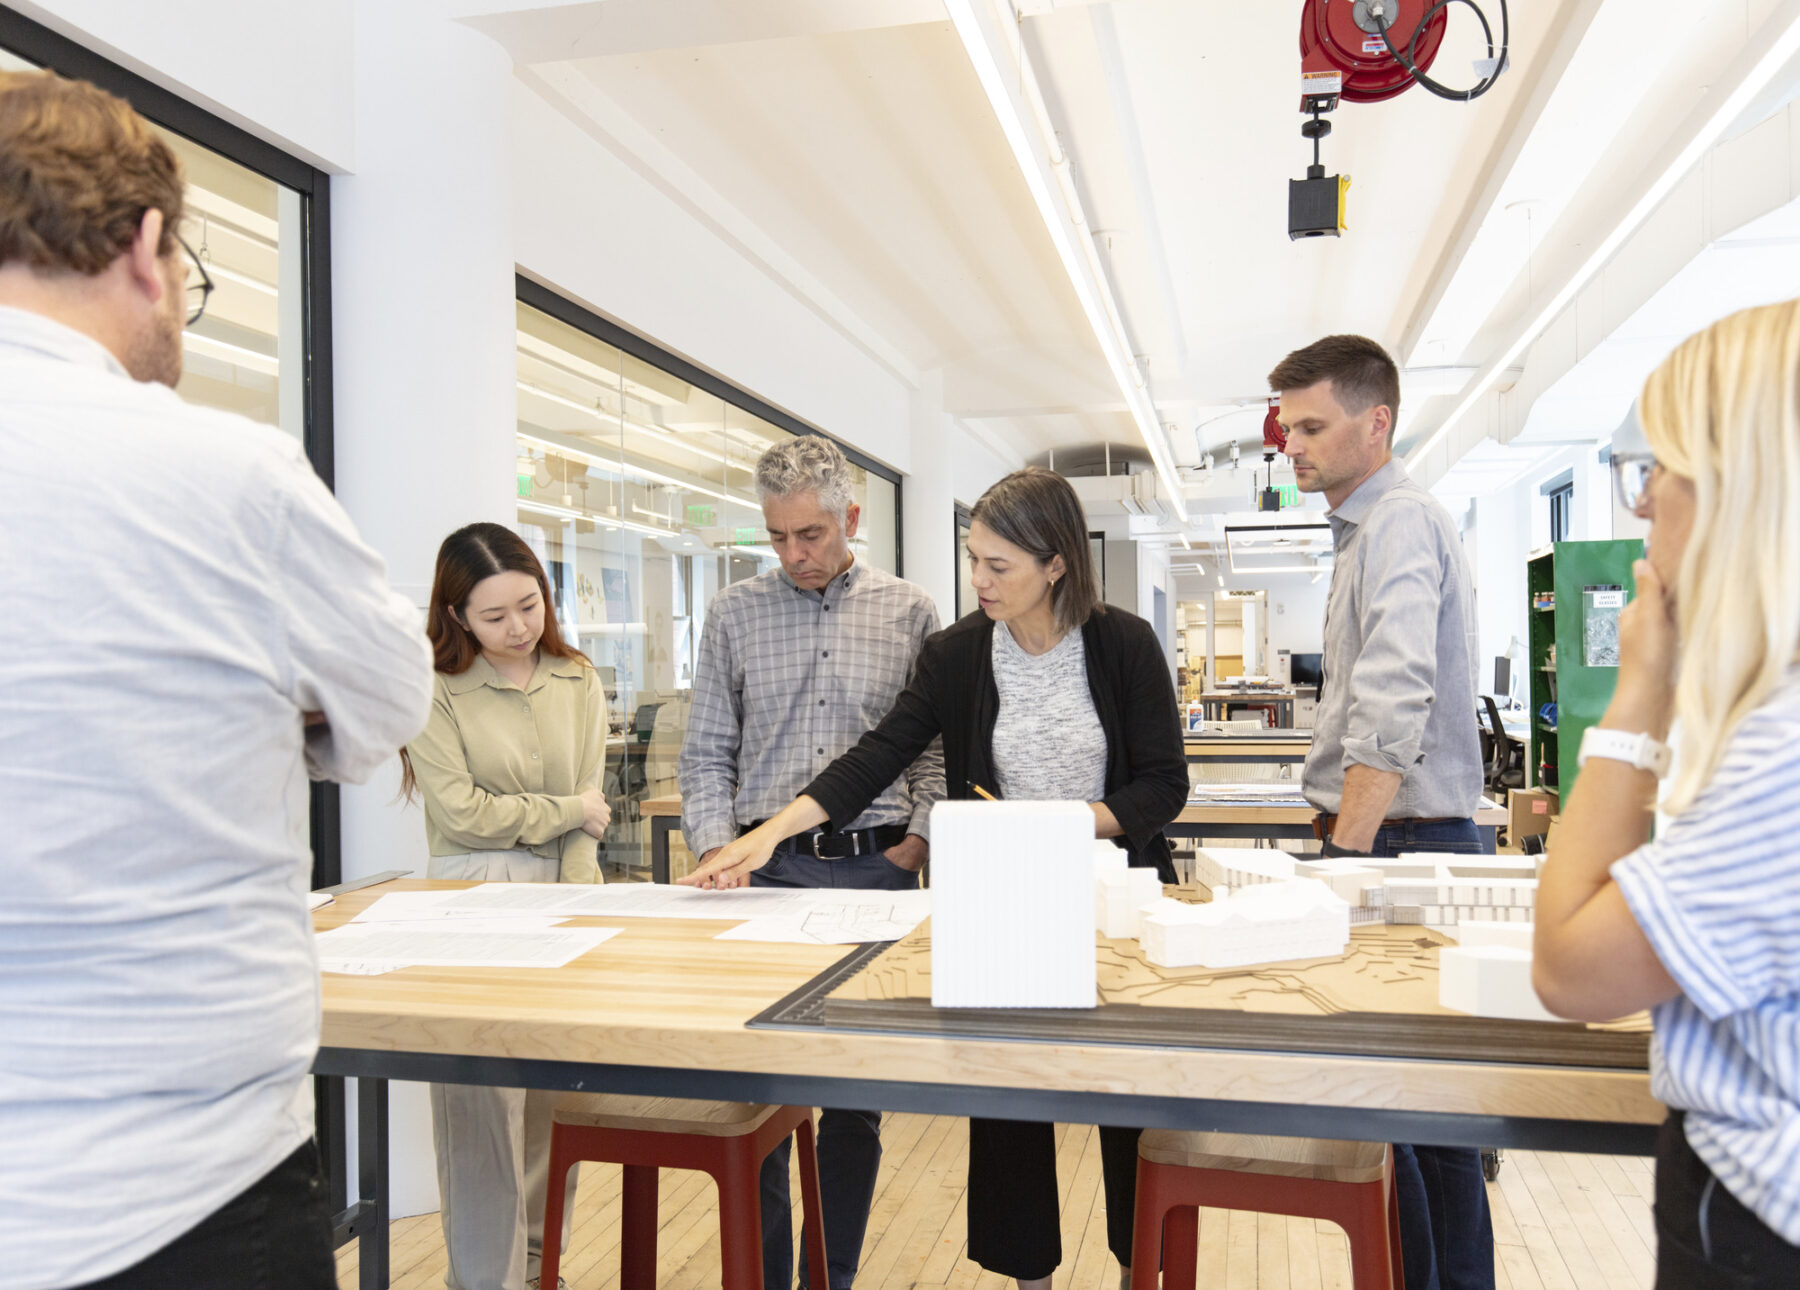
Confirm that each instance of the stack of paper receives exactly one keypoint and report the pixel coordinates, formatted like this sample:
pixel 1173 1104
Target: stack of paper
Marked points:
pixel 1012 915
pixel 369 948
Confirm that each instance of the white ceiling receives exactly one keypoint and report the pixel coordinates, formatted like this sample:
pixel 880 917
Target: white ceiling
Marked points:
pixel 856 138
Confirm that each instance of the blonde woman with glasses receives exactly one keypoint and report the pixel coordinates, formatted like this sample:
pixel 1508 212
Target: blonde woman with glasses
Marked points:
pixel 1702 924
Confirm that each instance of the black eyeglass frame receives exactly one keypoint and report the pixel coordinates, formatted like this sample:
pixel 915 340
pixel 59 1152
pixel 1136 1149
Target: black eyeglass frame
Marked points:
pixel 206 285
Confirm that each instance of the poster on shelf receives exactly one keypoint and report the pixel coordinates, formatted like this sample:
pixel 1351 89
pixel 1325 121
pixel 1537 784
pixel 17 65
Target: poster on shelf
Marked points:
pixel 616 586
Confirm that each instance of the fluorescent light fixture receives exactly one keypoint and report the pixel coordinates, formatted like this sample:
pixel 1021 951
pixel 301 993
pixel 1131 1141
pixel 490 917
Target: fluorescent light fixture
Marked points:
pixel 625 467
pixel 1246 545
pixel 1062 214
pixel 599 521
pixel 1776 55
pixel 236 355
pixel 661 432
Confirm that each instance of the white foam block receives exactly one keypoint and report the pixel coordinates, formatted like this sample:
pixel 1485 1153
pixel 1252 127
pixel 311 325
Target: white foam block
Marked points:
pixel 1490 981
pixel 1273 922
pixel 1235 867
pixel 1121 894
pixel 1012 905
pixel 1474 935
pixel 1356 883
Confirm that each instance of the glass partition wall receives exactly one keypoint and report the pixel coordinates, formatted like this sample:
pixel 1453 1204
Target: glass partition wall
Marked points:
pixel 637 488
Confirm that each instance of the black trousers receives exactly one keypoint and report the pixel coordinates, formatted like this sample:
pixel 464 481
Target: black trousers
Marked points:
pixel 1015 1226
pixel 1705 1238
pixel 274 1236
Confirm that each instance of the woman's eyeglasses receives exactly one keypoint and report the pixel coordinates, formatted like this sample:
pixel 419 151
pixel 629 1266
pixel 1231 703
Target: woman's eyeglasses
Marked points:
pixel 1632 474
pixel 197 292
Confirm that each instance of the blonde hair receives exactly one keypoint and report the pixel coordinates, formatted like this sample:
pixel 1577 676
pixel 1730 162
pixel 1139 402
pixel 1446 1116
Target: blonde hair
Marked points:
pixel 1723 411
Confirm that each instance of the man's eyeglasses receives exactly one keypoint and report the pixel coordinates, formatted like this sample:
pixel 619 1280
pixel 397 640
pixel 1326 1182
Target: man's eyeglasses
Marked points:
pixel 197 292
pixel 1632 474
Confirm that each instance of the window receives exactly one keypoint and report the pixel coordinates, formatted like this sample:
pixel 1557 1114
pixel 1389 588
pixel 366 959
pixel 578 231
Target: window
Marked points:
pixel 965 586
pixel 1562 507
pixel 636 486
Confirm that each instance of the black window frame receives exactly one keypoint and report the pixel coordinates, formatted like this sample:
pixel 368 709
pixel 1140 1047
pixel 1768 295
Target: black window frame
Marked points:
pixel 547 300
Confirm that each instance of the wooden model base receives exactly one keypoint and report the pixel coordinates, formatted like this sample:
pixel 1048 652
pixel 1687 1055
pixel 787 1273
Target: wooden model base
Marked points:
pixel 1378 999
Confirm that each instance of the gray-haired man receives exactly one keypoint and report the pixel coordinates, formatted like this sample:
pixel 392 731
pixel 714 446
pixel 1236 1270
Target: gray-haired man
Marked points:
pixel 796 665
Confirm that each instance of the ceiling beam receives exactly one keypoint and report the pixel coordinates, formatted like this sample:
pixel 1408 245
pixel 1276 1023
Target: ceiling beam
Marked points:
pixel 543 31
pixel 1545 71
pixel 1764 56
pixel 990 34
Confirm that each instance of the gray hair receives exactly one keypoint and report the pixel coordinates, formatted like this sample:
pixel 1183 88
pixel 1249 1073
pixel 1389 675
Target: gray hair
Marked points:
pixel 807 463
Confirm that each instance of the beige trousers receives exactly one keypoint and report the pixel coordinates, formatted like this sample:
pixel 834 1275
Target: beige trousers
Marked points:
pixel 493 1144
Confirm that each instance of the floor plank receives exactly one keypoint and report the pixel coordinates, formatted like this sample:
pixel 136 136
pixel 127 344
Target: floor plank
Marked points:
pixel 1561 1222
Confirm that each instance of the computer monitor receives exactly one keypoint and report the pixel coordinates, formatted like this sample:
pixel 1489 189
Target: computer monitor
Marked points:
pixel 645 721
pixel 1306 669
pixel 1503 677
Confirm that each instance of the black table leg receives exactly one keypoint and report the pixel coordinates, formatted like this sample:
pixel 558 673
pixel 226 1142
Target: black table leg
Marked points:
pixel 372 1181
pixel 661 826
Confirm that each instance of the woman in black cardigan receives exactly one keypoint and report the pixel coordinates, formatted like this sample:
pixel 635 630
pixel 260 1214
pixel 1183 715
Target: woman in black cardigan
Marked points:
pixel 1116 742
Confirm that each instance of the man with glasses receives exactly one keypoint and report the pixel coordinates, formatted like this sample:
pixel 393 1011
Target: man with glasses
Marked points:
pixel 193 628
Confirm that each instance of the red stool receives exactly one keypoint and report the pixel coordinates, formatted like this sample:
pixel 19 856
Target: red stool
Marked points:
pixel 1347 1183
pixel 728 1140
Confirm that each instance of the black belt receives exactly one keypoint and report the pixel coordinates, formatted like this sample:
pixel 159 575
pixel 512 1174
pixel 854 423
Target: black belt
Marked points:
pixel 842 846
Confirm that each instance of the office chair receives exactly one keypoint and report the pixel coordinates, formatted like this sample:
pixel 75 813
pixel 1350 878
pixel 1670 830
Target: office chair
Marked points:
pixel 1506 768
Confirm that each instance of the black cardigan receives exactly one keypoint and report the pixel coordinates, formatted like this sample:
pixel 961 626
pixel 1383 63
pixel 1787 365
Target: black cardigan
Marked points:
pixel 952 694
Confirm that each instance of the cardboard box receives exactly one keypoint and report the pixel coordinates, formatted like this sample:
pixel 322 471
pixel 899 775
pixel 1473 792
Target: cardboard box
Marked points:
pixel 1528 812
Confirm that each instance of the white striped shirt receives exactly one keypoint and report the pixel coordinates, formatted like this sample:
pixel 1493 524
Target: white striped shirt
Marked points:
pixel 1718 896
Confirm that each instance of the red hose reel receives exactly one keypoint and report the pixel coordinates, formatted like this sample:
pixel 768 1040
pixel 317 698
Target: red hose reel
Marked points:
pixel 1344 37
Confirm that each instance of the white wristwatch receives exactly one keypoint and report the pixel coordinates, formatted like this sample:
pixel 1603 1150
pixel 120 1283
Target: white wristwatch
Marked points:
pixel 1635 748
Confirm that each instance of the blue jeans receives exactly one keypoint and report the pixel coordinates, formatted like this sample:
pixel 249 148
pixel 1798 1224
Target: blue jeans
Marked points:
pixel 1446 1231
pixel 849 1142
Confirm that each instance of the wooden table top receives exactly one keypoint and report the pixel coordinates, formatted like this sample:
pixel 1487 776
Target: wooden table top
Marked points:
pixel 665 994
pixel 1193 813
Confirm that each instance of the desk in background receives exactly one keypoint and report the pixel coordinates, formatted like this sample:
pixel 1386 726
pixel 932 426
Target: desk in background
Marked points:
pixel 664 1008
pixel 1279 821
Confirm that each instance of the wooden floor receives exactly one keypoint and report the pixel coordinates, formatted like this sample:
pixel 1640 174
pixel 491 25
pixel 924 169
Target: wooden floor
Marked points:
pixel 1561 1222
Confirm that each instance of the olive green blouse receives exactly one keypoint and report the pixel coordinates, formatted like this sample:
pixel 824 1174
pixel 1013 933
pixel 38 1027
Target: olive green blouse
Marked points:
pixel 502 768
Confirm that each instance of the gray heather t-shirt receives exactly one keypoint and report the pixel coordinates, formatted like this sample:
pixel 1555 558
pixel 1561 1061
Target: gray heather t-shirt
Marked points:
pixel 1048 744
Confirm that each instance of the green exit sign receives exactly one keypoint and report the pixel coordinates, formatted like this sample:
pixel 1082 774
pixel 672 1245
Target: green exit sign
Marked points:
pixel 745 536
pixel 702 516
pixel 525 485
pixel 1290 495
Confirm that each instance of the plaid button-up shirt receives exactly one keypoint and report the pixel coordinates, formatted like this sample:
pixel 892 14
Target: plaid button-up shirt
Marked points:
pixel 788 680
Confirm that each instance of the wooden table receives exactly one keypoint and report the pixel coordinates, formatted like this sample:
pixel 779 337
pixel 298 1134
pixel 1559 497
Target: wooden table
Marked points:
pixel 1274 746
pixel 662 1008
pixel 1285 823
pixel 1262 822
pixel 1216 704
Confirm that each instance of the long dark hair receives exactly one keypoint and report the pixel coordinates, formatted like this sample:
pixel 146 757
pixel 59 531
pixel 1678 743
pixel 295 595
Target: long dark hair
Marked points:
pixel 468 557
pixel 1037 510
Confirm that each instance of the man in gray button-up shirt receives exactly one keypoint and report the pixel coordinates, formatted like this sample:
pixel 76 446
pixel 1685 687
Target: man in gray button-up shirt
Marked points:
pixel 1395 756
pixel 796 665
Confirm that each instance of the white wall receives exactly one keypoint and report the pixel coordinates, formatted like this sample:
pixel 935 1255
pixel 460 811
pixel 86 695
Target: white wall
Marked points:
pixel 283 72
pixel 597 231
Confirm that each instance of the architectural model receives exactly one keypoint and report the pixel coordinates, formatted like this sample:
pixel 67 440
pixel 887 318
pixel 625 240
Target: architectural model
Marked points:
pixel 1489 974
pixel 1119 898
pixel 1435 889
pixel 1012 905
pixel 1236 867
pixel 1270 922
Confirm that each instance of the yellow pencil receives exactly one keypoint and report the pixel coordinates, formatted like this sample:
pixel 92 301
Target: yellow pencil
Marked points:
pixel 982 792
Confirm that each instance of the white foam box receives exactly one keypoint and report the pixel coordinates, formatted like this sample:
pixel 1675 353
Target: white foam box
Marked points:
pixel 1489 978
pixel 1012 905
pixel 1275 922
pixel 1120 897
pixel 1241 866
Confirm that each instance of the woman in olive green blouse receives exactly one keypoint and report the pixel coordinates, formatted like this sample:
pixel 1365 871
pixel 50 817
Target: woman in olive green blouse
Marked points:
pixel 509 771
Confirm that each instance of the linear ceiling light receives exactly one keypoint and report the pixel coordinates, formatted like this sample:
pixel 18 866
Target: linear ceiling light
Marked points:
pixel 1777 53
pixel 1009 88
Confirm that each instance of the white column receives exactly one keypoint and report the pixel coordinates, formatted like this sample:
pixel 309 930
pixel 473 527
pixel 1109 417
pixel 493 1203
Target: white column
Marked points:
pixel 928 506
pixel 423 347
